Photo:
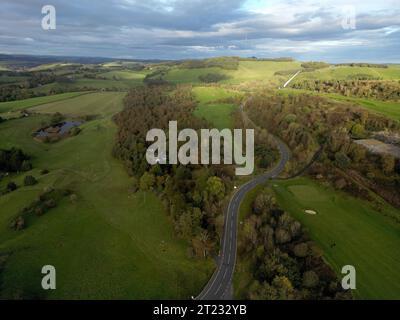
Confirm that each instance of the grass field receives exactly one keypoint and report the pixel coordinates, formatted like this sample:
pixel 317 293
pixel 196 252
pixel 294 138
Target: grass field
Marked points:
pixel 344 72
pixel 51 66
pixel 124 75
pixel 110 243
pixel 247 71
pixel 118 64
pixel 177 75
pixel 364 237
pixel 89 84
pixel 28 103
pixel 261 70
pixel 88 104
pixel 210 108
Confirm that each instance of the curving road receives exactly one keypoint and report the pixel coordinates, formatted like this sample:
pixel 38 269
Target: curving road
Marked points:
pixel 220 285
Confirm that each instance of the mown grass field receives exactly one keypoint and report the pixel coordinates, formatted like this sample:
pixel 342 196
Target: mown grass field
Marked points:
pixel 28 103
pixel 364 237
pixel 210 107
pixel 110 243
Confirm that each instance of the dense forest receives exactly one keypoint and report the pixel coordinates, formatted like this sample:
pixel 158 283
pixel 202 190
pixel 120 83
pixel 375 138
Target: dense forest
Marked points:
pixel 307 123
pixel 284 263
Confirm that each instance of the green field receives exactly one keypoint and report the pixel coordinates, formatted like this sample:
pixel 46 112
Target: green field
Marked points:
pixel 124 75
pixel 28 103
pixel 343 73
pixel 89 104
pixel 364 237
pixel 119 64
pixel 51 66
pixel 89 84
pixel 247 71
pixel 261 70
pixel 210 108
pixel 110 243
pixel 178 75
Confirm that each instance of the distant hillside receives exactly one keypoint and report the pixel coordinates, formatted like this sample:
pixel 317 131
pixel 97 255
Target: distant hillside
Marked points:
pixel 28 61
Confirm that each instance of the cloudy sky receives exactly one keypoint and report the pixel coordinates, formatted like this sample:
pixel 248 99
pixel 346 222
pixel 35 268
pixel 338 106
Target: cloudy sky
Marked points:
pixel 175 29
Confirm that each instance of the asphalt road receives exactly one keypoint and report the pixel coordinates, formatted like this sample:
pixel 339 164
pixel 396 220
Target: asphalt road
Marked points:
pixel 220 285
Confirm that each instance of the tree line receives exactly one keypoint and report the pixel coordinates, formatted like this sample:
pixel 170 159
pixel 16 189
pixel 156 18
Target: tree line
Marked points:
pixel 380 90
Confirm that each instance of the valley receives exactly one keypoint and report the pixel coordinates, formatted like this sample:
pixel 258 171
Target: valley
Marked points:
pixel 153 232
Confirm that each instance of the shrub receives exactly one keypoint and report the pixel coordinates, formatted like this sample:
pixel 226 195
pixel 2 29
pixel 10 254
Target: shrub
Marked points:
pixel 358 131
pixel 56 118
pixel 147 181
pixel 212 77
pixel 290 118
pixel 282 236
pixel 11 186
pixel 75 131
pixel 26 166
pixel 315 65
pixel 301 250
pixel 50 204
pixel 73 198
pixel 14 160
pixel 342 160
pixel 310 279
pixel 30 181
pixel 18 223
pixel 44 171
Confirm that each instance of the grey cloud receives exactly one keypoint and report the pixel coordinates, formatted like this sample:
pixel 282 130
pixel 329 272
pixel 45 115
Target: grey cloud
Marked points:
pixel 186 28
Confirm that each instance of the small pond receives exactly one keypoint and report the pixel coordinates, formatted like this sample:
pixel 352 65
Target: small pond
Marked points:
pixel 59 130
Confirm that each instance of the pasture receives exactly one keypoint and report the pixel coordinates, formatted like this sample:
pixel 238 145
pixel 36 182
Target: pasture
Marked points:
pixel 347 72
pixel 212 108
pixel 29 103
pixel 103 247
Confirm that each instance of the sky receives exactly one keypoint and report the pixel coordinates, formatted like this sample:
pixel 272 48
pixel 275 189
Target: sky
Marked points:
pixel 324 30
